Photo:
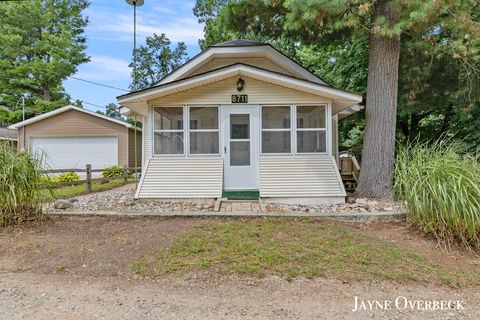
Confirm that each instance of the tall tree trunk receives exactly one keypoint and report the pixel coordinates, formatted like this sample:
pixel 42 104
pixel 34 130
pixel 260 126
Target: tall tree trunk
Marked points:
pixel 46 93
pixel 381 111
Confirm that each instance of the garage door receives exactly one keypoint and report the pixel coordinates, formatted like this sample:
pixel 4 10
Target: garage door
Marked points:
pixel 77 152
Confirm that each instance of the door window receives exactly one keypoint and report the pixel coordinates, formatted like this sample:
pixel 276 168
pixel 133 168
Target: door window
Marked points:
pixel 239 140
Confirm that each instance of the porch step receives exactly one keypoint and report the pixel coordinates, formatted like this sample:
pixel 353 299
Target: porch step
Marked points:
pixel 252 206
pixel 241 195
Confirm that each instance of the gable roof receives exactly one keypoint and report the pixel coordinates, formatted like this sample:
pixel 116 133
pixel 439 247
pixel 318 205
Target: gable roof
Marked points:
pixel 343 99
pixel 238 43
pixel 240 48
pixel 64 109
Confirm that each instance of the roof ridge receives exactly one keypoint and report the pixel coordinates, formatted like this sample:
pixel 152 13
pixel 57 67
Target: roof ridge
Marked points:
pixel 63 109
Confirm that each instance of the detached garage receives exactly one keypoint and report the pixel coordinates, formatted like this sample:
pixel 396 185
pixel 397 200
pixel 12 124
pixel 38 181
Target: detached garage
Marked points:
pixel 71 137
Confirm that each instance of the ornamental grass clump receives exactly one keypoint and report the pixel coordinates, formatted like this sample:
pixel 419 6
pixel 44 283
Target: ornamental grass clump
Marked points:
pixel 20 186
pixel 440 185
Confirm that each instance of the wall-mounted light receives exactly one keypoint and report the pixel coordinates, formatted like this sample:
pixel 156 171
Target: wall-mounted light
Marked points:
pixel 240 84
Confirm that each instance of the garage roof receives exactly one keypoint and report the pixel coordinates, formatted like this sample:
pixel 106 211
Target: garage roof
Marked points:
pixel 64 109
pixel 7 134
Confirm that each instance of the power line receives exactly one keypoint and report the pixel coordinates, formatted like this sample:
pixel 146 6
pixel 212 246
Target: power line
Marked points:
pixel 93 104
pixel 85 102
pixel 99 84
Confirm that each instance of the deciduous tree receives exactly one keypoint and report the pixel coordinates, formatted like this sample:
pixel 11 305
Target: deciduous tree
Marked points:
pixel 156 59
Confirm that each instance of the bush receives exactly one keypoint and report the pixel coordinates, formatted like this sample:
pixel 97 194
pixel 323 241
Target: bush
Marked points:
pixel 67 177
pixel 113 171
pixel 20 186
pixel 441 187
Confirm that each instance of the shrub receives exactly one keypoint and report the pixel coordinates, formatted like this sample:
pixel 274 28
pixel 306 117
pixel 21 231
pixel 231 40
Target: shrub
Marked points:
pixel 441 187
pixel 20 186
pixel 113 171
pixel 67 177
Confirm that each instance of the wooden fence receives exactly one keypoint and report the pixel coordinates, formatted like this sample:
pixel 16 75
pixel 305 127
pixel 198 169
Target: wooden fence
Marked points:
pixel 88 176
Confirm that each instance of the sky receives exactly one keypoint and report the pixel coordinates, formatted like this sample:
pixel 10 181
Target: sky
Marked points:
pixel 110 43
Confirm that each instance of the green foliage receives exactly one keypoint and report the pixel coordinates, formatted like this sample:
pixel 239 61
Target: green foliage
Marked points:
pixel 440 185
pixel 20 179
pixel 67 177
pixel 42 44
pixel 113 171
pixel 156 59
pixel 111 110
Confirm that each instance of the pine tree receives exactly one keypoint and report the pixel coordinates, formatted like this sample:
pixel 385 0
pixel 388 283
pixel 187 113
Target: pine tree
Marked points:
pixel 42 44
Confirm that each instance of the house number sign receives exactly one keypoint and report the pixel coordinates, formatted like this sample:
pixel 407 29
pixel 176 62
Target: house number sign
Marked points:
pixel 239 98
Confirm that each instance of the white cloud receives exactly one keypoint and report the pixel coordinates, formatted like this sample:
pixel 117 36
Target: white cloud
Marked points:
pixel 163 9
pixel 104 68
pixel 116 26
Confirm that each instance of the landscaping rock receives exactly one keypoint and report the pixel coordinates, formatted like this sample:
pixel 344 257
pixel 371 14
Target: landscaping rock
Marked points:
pixel 361 201
pixel 62 204
pixel 123 201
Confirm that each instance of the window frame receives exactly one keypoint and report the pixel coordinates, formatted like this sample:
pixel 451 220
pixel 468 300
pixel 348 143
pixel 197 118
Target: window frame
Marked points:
pixel 154 131
pixel 186 132
pixel 327 125
pixel 187 143
pixel 291 130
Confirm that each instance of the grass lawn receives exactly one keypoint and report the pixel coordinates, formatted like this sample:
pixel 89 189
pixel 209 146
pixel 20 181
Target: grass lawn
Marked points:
pixel 296 248
pixel 76 190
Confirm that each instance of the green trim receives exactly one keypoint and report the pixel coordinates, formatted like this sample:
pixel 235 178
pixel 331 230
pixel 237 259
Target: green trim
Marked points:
pixel 241 194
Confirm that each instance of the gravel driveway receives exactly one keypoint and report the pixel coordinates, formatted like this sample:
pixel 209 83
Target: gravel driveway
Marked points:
pixel 30 296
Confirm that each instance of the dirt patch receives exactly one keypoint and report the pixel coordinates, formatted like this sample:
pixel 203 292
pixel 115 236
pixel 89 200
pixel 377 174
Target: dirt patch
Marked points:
pixel 90 246
pixel 411 239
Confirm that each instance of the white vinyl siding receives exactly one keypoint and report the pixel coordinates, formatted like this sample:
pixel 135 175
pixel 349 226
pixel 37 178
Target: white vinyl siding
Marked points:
pixel 220 93
pixel 182 178
pixel 300 177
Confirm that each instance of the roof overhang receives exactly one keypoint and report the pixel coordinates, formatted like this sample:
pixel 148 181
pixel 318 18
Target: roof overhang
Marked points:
pixel 342 99
pixel 349 111
pixel 264 50
pixel 64 109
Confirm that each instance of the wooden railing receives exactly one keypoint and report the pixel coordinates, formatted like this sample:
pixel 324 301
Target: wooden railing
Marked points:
pixel 88 176
pixel 349 168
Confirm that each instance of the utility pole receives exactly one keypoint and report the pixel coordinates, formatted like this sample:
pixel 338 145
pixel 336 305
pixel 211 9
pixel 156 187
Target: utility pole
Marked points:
pixel 135 4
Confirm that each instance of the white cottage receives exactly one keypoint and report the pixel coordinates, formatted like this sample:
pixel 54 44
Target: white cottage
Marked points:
pixel 241 116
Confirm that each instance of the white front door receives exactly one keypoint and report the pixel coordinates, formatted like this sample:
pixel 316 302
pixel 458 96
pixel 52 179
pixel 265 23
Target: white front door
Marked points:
pixel 240 147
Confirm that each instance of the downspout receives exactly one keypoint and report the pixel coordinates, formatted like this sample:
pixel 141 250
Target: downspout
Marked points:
pixel 135 147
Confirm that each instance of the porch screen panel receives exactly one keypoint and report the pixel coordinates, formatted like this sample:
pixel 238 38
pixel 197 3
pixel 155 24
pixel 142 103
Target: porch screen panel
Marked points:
pixel 311 129
pixel 168 135
pixel 204 130
pixel 276 129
